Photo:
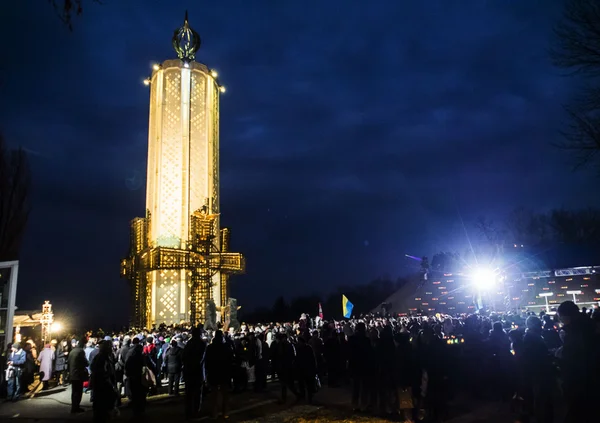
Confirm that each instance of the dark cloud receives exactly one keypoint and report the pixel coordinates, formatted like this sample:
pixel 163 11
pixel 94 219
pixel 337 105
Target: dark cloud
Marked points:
pixel 351 134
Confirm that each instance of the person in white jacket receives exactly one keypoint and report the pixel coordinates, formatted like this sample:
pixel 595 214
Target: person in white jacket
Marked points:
pixel 46 359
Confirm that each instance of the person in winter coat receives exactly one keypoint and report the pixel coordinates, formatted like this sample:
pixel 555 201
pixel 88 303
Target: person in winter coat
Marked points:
pixel 580 364
pixel 359 347
pixel 103 382
pixel 306 369
pixel 173 363
pixel 193 373
pixel 29 367
pixel 219 363
pixel 151 354
pixel 134 370
pixel 15 363
pixel 406 376
pixel 60 365
pixel 46 359
pixel 77 374
pixel 283 359
pixel 120 356
pixel 539 372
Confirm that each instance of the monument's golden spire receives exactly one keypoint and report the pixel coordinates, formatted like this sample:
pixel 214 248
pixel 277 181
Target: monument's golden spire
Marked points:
pixel 186 41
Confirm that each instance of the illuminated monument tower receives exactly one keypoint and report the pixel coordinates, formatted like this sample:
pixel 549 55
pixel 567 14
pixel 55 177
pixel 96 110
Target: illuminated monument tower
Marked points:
pixel 178 261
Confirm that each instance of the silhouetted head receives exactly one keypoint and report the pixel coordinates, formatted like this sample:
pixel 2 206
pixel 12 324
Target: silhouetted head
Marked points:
pixel 196 332
pixel 567 311
pixel 361 329
pixel 533 323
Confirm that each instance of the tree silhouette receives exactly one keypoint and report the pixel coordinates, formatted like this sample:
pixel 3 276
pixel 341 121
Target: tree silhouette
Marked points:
pixel 577 50
pixel 15 180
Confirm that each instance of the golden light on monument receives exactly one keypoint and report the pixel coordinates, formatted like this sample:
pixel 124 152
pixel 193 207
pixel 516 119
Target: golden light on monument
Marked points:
pixel 178 264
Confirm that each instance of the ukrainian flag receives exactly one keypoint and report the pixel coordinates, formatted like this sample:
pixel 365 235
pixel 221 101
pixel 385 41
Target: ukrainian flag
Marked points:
pixel 347 307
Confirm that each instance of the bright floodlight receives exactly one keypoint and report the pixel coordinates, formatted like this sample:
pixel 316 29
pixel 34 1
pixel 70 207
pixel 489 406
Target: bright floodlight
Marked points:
pixel 56 327
pixel 484 279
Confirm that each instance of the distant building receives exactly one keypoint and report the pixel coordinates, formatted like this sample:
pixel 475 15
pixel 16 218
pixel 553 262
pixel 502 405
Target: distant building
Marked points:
pixel 8 293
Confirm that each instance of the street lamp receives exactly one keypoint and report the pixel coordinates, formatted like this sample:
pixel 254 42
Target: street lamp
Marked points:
pixel 546 295
pixel 574 293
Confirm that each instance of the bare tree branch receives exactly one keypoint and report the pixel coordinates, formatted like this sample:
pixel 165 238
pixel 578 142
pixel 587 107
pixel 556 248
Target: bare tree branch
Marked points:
pixel 577 50
pixel 578 38
pixel 67 9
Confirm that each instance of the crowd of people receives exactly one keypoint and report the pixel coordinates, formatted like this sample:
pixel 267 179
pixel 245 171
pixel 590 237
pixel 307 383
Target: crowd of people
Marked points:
pixel 404 366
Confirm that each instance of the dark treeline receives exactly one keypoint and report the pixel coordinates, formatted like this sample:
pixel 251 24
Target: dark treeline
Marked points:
pixel 558 226
pixel 364 297
pixel 545 232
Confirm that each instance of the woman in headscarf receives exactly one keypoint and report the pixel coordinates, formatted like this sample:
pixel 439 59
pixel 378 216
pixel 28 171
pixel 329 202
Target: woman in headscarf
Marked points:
pixel 46 359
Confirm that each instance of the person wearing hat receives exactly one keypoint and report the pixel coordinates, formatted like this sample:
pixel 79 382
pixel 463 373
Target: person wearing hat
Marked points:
pixel 15 363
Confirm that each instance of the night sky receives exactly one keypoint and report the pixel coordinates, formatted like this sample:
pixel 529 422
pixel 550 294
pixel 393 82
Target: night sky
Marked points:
pixel 351 133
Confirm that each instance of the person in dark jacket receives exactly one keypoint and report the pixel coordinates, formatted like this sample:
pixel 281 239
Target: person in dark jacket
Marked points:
pixel 283 360
pixel 15 363
pixel 173 363
pixel 219 363
pixel 538 372
pixel 332 353
pixel 29 367
pixel 359 347
pixel 385 352
pixel 193 373
pixel 120 367
pixel 306 369
pixel 103 382
pixel 78 374
pixel 134 370
pixel 580 364
pixel 406 376
pixel 60 365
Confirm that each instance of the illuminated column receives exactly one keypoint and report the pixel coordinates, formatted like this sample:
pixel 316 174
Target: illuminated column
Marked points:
pixel 183 158
pixel 183 149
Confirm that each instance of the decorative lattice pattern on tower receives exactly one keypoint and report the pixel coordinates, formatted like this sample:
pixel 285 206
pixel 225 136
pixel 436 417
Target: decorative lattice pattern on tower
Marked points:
pixel 171 195
pixel 198 142
pixel 215 157
pixel 168 285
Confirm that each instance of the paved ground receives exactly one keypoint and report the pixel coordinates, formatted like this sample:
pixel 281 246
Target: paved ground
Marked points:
pixel 331 406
